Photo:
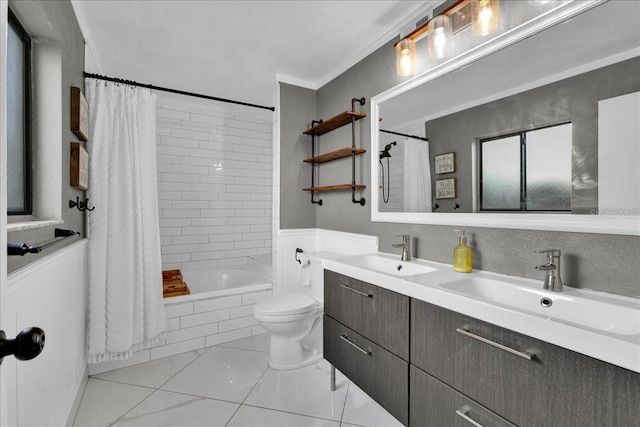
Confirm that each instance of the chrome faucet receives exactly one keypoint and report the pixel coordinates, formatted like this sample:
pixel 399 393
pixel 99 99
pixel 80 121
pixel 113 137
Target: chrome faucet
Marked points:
pixel 552 280
pixel 406 247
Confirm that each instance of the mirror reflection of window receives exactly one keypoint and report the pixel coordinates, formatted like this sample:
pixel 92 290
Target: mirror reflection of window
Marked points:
pixel 500 180
pixel 527 171
pixel 549 169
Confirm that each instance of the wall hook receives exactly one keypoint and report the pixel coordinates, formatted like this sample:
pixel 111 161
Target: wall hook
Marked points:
pixel 298 251
pixel 456 206
pixel 82 206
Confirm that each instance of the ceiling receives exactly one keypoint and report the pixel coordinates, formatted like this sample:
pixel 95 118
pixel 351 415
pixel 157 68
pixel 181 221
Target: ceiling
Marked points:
pixel 236 49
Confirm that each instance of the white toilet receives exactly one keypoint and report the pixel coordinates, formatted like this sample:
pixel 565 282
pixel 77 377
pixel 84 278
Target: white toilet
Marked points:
pixel 294 320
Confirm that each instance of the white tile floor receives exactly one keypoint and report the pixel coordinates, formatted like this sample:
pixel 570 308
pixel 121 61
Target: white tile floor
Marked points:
pixel 226 385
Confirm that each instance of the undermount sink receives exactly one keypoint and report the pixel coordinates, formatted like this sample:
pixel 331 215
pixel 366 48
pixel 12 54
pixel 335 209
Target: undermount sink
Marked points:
pixel 582 308
pixel 389 265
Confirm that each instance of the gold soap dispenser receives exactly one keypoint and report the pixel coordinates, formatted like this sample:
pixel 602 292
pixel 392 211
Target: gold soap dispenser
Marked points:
pixel 462 255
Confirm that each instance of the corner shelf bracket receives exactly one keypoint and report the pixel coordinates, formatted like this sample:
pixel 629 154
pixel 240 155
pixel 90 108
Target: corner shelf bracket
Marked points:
pixel 314 165
pixel 362 201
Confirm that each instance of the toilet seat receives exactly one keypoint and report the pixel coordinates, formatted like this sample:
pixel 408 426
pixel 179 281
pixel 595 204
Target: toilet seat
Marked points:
pixel 285 305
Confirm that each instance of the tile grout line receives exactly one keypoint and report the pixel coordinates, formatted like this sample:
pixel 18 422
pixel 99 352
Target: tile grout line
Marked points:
pixel 292 413
pixel 287 412
pixel 245 398
pixel 344 406
pixel 159 388
pixel 155 389
pixel 84 391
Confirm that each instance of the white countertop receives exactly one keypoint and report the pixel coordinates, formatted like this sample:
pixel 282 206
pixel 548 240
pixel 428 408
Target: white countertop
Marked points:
pixel 617 349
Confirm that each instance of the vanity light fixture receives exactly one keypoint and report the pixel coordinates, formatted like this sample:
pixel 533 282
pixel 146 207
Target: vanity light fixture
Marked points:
pixel 486 17
pixel 439 35
pixel 454 16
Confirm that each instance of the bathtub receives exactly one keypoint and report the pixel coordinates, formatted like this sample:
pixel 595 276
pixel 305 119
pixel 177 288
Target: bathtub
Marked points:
pixel 208 283
pixel 219 309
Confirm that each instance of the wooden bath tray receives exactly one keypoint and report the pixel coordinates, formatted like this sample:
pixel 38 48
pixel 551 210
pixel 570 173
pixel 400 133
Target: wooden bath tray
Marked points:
pixel 173 284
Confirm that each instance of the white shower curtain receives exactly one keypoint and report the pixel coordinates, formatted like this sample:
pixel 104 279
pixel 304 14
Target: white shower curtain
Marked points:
pixel 417 176
pixel 126 311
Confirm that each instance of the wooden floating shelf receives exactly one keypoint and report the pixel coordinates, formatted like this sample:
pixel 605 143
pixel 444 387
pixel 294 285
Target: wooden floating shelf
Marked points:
pixel 336 187
pixel 334 123
pixel 335 155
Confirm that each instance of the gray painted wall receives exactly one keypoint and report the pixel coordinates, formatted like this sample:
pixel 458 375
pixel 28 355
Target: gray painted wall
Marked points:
pixel 574 99
pixel 60 26
pixel 299 109
pixel 602 262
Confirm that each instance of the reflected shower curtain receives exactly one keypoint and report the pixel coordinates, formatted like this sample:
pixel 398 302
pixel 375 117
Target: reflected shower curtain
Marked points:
pixel 417 176
pixel 126 310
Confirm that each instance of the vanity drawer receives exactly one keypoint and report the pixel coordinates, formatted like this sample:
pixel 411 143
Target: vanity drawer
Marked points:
pixel 433 403
pixel 377 313
pixel 555 387
pixel 381 374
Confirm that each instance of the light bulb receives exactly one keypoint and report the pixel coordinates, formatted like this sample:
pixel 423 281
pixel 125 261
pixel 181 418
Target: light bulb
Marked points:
pixel 486 17
pixel 405 62
pixel 439 36
pixel 406 57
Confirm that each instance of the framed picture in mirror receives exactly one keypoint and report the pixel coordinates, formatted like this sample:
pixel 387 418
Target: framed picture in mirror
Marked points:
pixel 445 163
pixel 446 188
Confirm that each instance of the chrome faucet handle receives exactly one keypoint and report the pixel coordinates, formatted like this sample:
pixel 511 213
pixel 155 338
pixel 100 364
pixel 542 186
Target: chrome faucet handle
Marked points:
pixel 552 279
pixel 405 245
pixel 546 267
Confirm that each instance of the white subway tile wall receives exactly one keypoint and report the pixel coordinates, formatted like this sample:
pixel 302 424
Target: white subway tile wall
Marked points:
pixel 203 323
pixel 214 185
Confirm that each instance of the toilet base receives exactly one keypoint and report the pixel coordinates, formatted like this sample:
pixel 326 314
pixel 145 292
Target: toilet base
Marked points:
pixel 286 354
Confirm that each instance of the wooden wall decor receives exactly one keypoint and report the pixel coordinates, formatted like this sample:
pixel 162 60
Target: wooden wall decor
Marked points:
pixel 79 167
pixel 79 114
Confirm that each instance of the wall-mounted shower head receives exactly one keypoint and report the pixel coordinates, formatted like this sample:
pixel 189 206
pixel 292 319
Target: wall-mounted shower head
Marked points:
pixel 385 153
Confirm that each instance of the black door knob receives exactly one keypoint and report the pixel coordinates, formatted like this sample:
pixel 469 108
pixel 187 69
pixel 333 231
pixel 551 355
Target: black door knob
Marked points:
pixel 27 344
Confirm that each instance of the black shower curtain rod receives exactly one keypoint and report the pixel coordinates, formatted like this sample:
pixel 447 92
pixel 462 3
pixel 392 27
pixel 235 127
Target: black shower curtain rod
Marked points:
pixel 179 92
pixel 404 134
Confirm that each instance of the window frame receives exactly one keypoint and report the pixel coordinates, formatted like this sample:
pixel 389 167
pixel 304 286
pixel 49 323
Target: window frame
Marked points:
pixel 15 23
pixel 523 170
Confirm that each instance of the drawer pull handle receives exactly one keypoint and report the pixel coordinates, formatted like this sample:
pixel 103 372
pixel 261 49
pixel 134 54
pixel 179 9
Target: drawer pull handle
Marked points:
pixel 364 294
pixel 522 354
pixel 463 413
pixel 360 349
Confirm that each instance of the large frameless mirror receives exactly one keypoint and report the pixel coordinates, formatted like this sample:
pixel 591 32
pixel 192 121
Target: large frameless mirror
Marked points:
pixel 526 130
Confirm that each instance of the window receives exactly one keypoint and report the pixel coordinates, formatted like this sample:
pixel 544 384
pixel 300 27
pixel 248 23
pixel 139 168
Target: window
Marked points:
pixel 19 200
pixel 527 171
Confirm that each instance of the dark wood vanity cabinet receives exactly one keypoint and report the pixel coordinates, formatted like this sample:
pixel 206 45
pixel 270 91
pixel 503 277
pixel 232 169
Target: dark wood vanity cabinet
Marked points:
pixel 554 387
pixel 429 366
pixel 377 313
pixel 366 337
pixel 380 373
